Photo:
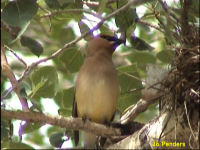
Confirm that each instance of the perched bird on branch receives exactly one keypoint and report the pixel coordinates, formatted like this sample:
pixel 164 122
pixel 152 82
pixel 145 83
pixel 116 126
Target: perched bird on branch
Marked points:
pixel 97 88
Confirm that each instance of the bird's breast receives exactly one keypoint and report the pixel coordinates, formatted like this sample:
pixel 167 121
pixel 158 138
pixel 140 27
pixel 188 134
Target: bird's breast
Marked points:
pixel 97 94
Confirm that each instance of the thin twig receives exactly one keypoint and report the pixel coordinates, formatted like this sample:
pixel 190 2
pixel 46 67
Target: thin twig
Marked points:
pixel 131 91
pixel 132 76
pixel 9 73
pixel 70 10
pixel 15 54
pixel 150 25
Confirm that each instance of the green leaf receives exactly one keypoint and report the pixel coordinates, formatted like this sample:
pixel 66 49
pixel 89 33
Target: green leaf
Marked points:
pixel 36 137
pixel 61 4
pixel 143 27
pixel 72 58
pixel 67 4
pixel 44 82
pixel 65 99
pixel 15 145
pixel 105 30
pixel 35 47
pixel 19 12
pixel 56 139
pixel 102 6
pixel 58 98
pixel 127 76
pixel 37 88
pixel 65 112
pixel 129 80
pixel 76 4
pixel 141 57
pixel 139 44
pixel 30 127
pixel 61 32
pixel 54 129
pixel 166 56
pixel 128 99
pixel 68 97
pixel 53 4
pixel 126 18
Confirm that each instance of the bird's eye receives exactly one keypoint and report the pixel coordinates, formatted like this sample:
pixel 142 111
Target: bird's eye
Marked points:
pixel 109 38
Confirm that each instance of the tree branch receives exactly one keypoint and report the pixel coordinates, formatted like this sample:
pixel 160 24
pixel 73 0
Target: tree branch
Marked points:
pixel 9 73
pixel 139 107
pixel 185 28
pixel 68 123
pixel 15 54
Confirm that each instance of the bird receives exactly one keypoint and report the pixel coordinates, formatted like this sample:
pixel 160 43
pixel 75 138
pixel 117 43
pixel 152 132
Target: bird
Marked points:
pixel 96 87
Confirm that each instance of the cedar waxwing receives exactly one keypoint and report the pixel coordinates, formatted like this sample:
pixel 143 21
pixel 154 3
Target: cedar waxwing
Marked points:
pixel 97 88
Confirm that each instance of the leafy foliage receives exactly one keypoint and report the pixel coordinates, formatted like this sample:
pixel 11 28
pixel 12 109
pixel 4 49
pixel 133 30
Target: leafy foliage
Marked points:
pixel 45 26
pixel 44 82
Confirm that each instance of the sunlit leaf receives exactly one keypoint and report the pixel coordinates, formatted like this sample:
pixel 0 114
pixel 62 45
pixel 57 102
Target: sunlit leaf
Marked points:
pixel 47 78
pixel 72 58
pixel 68 97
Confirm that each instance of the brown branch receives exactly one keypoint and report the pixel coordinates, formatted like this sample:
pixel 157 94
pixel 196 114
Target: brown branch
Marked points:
pixel 9 73
pixel 139 107
pixel 67 123
pixel 13 31
pixel 185 28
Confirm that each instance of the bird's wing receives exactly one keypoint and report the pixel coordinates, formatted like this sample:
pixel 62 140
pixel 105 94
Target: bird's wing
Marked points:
pixel 75 115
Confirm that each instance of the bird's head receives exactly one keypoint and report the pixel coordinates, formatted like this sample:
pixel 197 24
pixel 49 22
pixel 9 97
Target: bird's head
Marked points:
pixel 103 43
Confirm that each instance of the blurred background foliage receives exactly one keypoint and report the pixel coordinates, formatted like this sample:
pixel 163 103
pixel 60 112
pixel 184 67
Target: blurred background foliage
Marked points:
pixel 35 29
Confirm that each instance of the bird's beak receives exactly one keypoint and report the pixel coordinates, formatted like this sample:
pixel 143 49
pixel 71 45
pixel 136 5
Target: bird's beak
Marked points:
pixel 113 40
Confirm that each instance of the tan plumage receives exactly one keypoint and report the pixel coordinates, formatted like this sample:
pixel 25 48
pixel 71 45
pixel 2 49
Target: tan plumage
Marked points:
pixel 97 87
